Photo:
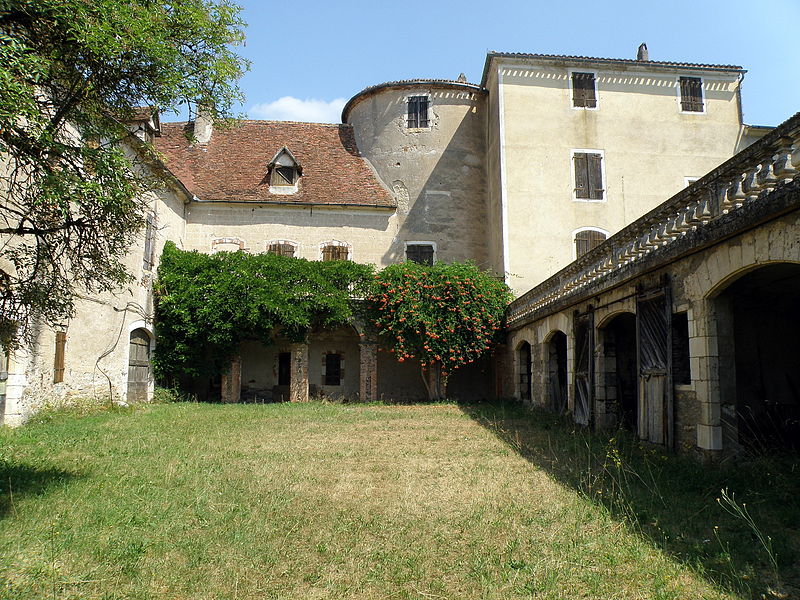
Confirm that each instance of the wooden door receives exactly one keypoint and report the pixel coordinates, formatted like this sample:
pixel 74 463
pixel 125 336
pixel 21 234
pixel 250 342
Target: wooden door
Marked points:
pixel 139 366
pixel 584 366
pixel 655 414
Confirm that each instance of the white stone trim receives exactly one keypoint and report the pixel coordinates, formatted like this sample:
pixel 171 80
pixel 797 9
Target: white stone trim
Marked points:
pixel 404 116
pixel 579 229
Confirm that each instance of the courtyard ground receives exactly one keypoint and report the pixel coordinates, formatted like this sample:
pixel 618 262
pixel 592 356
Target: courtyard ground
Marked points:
pixel 319 500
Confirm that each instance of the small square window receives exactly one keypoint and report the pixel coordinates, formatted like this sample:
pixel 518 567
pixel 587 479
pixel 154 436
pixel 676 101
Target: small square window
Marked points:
pixel 417 112
pixel 584 93
pixel 691 94
pixel 420 253
pixel 588 176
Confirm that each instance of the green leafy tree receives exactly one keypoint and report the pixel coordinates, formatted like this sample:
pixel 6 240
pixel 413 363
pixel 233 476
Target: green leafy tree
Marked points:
pixel 445 315
pixel 72 73
pixel 207 304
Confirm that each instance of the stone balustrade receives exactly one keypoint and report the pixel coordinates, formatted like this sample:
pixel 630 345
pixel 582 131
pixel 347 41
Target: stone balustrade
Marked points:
pixel 755 172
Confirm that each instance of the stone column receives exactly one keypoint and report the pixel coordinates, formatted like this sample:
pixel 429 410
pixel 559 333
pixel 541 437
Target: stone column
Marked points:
pixel 232 381
pixel 368 369
pixel 298 383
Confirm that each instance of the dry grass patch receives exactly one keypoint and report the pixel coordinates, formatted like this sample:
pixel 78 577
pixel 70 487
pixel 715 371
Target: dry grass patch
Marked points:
pixel 307 501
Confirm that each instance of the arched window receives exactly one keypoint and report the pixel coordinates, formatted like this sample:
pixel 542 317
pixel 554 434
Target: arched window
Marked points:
pixel 335 250
pixel 282 248
pixel 587 240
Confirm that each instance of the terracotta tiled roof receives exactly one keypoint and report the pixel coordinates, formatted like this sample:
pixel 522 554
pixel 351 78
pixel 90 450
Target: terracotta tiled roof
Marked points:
pixel 232 167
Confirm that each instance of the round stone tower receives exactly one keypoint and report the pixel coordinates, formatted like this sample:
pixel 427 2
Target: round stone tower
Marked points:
pixel 427 141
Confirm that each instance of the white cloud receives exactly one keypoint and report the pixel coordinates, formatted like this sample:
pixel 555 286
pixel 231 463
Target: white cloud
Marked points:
pixel 289 108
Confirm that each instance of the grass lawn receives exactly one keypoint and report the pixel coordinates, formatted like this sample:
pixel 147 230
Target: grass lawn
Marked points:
pixel 330 501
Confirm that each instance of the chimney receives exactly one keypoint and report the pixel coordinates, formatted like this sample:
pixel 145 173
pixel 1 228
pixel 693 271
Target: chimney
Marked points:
pixel 642 54
pixel 462 78
pixel 203 124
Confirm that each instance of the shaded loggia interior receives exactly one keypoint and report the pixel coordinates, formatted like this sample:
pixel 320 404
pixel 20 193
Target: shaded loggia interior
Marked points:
pixel 619 349
pixel 759 358
pixel 557 371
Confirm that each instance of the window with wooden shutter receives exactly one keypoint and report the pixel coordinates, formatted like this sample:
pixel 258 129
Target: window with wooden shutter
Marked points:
pixel 334 252
pixel 148 260
pixel 691 94
pixel 281 249
pixel 417 112
pixel 420 253
pixel 588 240
pixel 584 93
pixel 283 176
pixel 58 363
pixel 588 175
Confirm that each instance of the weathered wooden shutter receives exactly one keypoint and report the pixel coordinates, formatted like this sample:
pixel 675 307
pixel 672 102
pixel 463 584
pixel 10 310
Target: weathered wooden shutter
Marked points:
pixel 417 112
pixel 581 243
pixel 583 90
pixel 691 94
pixel 281 250
pixel 581 175
pixel 595 176
pixel 58 363
pixel 423 111
pixel 596 238
pixel 138 366
pixel 654 348
pixel 583 378
pixel 327 252
pixel 148 259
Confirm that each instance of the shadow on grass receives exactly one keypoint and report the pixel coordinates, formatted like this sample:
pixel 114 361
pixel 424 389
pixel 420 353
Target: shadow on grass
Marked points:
pixel 19 480
pixel 749 544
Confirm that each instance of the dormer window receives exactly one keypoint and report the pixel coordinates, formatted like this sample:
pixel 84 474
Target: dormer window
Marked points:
pixel 284 173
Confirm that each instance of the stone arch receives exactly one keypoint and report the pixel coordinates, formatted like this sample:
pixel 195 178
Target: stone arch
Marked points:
pixel 720 284
pixel 617 381
pixel 523 361
pixel 555 345
pixel 754 350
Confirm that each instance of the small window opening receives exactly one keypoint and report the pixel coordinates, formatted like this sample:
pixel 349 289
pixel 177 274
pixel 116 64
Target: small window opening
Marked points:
pixel 420 253
pixel 681 371
pixel 584 93
pixel 148 260
pixel 417 112
pixel 691 94
pixel 333 369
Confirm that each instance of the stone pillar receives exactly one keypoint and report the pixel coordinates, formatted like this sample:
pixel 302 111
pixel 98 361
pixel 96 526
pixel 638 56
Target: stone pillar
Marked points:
pixel 368 369
pixel 232 381
pixel 298 383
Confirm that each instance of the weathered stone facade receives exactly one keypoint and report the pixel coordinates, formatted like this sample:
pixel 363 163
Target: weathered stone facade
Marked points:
pixel 470 172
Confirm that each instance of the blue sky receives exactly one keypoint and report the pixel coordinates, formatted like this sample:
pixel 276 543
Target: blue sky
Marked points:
pixel 310 56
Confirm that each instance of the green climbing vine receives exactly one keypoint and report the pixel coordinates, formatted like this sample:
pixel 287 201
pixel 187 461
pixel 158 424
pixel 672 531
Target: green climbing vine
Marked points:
pixel 207 304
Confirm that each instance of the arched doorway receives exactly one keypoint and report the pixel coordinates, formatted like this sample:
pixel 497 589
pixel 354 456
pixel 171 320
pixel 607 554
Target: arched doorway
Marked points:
pixel 139 366
pixel 557 372
pixel 524 370
pixel 618 368
pixel 758 332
